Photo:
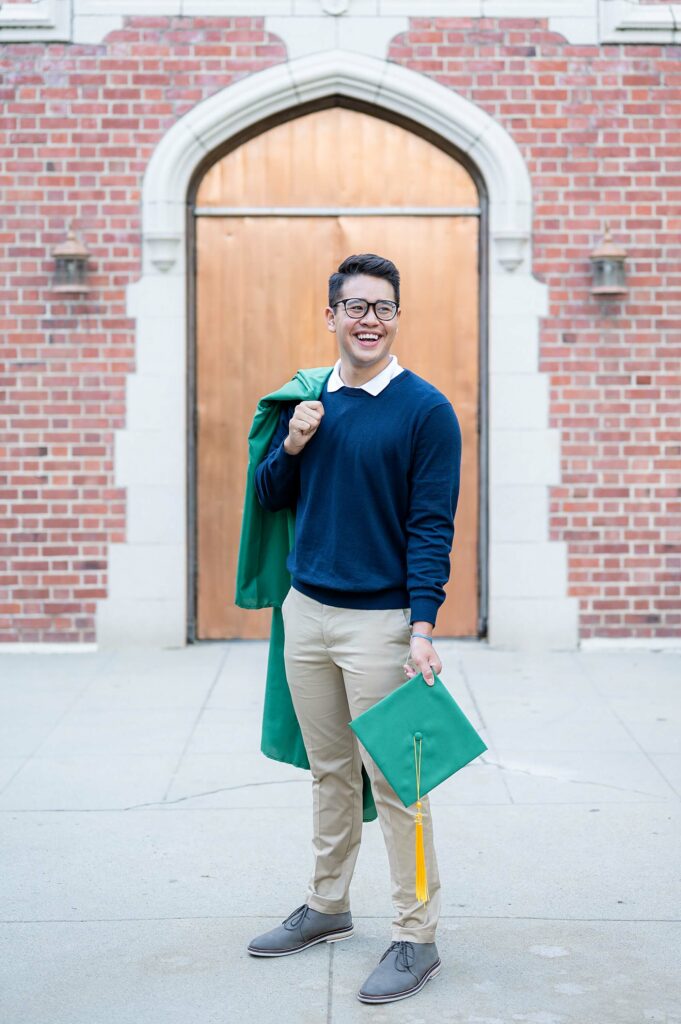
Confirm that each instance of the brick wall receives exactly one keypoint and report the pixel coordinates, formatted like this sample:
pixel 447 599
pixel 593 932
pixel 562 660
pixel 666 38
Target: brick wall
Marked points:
pixel 599 129
pixel 81 124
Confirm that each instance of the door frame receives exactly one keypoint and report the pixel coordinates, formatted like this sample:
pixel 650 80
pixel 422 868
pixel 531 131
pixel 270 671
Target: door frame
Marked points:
pixel 362 106
pixel 529 604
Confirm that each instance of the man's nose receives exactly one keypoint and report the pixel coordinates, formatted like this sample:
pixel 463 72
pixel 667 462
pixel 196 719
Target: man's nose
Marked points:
pixel 369 316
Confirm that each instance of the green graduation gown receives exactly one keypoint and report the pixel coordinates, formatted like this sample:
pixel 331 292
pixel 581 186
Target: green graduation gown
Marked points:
pixel 263 581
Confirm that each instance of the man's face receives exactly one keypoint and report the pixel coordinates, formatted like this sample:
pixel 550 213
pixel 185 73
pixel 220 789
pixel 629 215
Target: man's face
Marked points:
pixel 365 342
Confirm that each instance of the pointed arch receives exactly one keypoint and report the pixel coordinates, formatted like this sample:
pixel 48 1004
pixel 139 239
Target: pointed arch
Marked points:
pixel 148 579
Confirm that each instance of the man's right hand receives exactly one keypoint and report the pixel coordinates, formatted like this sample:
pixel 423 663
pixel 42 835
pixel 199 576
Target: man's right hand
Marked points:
pixel 302 426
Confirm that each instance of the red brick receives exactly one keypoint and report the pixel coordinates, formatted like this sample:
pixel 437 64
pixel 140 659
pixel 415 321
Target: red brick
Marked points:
pixel 598 128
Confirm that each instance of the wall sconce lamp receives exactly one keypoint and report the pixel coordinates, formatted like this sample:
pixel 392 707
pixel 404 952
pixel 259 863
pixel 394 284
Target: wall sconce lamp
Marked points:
pixel 607 267
pixel 70 265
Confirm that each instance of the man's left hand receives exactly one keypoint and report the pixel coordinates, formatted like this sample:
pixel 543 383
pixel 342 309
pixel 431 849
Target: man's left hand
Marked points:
pixel 423 658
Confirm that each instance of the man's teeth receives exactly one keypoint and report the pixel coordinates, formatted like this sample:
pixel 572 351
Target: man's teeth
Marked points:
pixel 368 337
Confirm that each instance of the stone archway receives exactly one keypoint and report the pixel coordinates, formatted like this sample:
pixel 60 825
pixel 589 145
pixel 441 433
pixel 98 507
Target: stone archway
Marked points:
pixel 147 602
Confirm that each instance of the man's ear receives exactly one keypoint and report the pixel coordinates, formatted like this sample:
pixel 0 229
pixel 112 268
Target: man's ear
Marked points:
pixel 330 320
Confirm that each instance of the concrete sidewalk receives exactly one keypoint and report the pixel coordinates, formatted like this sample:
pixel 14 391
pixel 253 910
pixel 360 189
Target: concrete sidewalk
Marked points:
pixel 145 839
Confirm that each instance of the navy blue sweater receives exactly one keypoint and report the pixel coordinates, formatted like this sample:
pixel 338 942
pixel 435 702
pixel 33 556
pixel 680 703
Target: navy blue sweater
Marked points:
pixel 375 492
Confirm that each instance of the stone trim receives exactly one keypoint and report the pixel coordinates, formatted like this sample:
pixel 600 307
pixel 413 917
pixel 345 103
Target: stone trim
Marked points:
pixel 38 648
pixel 305 35
pixel 631 643
pixel 627 21
pixel 42 20
pixel 148 575
pixel 361 25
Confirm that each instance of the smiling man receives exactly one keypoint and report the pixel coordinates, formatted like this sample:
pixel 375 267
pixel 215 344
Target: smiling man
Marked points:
pixel 372 471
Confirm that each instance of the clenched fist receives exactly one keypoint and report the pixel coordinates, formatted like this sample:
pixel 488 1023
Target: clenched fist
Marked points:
pixel 303 425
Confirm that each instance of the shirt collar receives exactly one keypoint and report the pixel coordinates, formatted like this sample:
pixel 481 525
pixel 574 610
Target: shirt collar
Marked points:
pixel 373 386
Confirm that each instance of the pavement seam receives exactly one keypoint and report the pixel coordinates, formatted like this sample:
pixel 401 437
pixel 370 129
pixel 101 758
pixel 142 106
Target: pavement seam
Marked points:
pixel 584 669
pixel 199 715
pixel 329 993
pixel 453 804
pixel 478 710
pixel 212 792
pixel 582 782
pixel 97 670
pixel 363 917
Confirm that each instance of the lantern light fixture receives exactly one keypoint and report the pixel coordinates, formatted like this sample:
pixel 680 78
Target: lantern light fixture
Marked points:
pixel 70 266
pixel 607 267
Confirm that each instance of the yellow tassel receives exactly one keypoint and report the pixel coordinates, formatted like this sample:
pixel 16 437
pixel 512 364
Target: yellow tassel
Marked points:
pixel 421 876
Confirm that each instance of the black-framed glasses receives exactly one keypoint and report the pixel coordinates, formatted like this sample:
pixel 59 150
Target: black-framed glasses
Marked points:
pixel 357 308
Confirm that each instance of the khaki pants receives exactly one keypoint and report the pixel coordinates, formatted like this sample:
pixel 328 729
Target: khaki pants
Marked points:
pixel 339 662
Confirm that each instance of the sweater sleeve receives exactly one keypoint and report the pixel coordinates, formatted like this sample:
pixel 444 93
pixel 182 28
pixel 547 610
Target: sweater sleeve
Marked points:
pixel 277 476
pixel 433 496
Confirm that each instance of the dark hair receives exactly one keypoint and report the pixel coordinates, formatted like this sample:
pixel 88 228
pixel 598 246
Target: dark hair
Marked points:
pixel 366 263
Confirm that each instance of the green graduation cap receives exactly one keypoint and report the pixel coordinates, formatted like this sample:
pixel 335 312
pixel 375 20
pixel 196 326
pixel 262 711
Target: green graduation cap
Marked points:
pixel 418 736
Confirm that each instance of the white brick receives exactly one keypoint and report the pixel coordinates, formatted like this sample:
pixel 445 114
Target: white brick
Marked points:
pixel 518 513
pixel 541 625
pixel 576 30
pixel 157 295
pixel 513 343
pixel 153 401
pixel 303 35
pixel 94 28
pixel 518 293
pixel 353 8
pixel 518 401
pixel 151 456
pixel 156 515
pixel 528 570
pixel 146 571
pixel 161 346
pixel 524 457
pixel 122 623
pixel 371 36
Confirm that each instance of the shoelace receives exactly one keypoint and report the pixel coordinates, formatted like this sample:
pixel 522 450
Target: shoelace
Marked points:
pixel 296 917
pixel 405 954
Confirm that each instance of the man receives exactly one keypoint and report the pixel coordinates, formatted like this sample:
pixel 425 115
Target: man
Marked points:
pixel 372 470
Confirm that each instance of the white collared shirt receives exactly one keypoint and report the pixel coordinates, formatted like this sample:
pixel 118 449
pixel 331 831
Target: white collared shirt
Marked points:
pixel 373 386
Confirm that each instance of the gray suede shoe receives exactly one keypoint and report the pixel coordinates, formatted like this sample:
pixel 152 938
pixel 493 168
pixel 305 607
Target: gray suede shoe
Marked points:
pixel 302 928
pixel 404 969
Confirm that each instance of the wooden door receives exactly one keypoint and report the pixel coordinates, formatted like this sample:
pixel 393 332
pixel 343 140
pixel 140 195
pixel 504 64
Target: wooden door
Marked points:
pixel 274 218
